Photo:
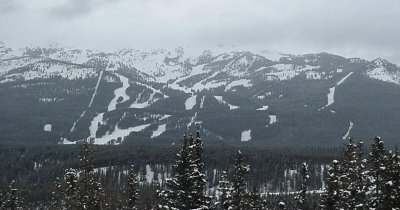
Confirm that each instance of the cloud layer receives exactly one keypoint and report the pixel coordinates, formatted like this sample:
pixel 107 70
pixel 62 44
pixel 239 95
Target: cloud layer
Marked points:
pixel 360 28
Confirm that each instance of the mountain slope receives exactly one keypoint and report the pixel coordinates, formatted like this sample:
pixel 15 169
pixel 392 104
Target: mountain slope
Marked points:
pixel 153 96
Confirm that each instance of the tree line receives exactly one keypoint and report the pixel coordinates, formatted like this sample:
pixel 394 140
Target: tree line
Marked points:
pixel 358 181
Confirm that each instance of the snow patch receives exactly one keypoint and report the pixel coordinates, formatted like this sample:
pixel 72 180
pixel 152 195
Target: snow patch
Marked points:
pixel 272 119
pixel 161 129
pixel 382 74
pixel 222 101
pixel 202 102
pixel 119 93
pixel 348 131
pixel 331 94
pixel 190 102
pixel 47 127
pixel 119 134
pixel 240 82
pixel 246 135
pixel 263 108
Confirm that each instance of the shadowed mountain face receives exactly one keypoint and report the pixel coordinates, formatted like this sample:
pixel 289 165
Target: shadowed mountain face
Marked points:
pixel 62 95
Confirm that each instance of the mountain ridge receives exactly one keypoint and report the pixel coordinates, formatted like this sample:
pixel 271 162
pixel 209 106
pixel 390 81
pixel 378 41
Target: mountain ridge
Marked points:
pixel 166 93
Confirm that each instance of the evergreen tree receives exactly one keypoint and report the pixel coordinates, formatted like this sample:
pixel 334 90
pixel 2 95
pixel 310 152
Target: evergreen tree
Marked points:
pixel 301 198
pixel 80 189
pixel 352 180
pixel 197 176
pixel 255 201
pixel 330 197
pixel 281 205
pixel 239 192
pixel 90 192
pixel 178 188
pixel 224 193
pixel 56 195
pixel 377 172
pixel 132 191
pixel 70 188
pixel 186 189
pixel 11 199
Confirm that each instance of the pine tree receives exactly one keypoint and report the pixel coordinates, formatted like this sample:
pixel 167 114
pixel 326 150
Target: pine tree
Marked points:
pixel 352 180
pixel 132 191
pixel 255 202
pixel 70 188
pixel 377 171
pixel 239 192
pixel 281 205
pixel 199 200
pixel 56 195
pixel 224 193
pixel 11 199
pixel 80 189
pixel 178 188
pixel 186 189
pixel 90 192
pixel 301 198
pixel 330 197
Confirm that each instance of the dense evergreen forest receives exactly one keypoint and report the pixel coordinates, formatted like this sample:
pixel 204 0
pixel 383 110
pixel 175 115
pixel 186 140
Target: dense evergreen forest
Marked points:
pixel 199 177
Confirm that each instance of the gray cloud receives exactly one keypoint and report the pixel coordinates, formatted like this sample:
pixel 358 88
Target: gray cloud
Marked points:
pixel 359 28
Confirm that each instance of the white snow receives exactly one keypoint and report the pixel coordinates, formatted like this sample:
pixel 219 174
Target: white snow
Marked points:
pixel 161 129
pixel 263 108
pixel 95 89
pixel 222 101
pixel 47 127
pixel 202 102
pixel 119 133
pixel 190 102
pixel 246 135
pixel 272 119
pixel 192 120
pixel 382 74
pixel 119 92
pixel 47 70
pixel 272 55
pixel 240 82
pixel 94 125
pixel 149 174
pixel 348 131
pixel 149 101
pixel 289 71
pixel 66 141
pixel 331 94
pixel 90 103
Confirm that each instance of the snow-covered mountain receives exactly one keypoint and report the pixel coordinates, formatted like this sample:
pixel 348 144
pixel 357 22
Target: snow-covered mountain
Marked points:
pixel 63 95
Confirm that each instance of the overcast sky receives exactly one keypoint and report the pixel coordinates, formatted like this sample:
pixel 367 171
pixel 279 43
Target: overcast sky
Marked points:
pixel 352 28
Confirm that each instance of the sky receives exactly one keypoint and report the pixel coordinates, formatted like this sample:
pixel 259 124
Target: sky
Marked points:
pixel 351 28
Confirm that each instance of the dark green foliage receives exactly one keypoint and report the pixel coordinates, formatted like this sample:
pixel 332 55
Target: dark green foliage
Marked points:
pixel 301 197
pixel 224 193
pixel 10 199
pixel 132 191
pixel 239 190
pixel 330 197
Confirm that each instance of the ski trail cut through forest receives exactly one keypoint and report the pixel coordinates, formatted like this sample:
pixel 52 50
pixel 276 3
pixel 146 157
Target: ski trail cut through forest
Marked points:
pixel 90 103
pixel 331 94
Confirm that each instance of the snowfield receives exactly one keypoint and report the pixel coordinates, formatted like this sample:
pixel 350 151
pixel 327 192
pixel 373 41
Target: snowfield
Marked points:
pixel 348 131
pixel 331 94
pixel 190 102
pixel 246 135
pixel 119 93
pixel 222 101
pixel 119 133
pixel 161 129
